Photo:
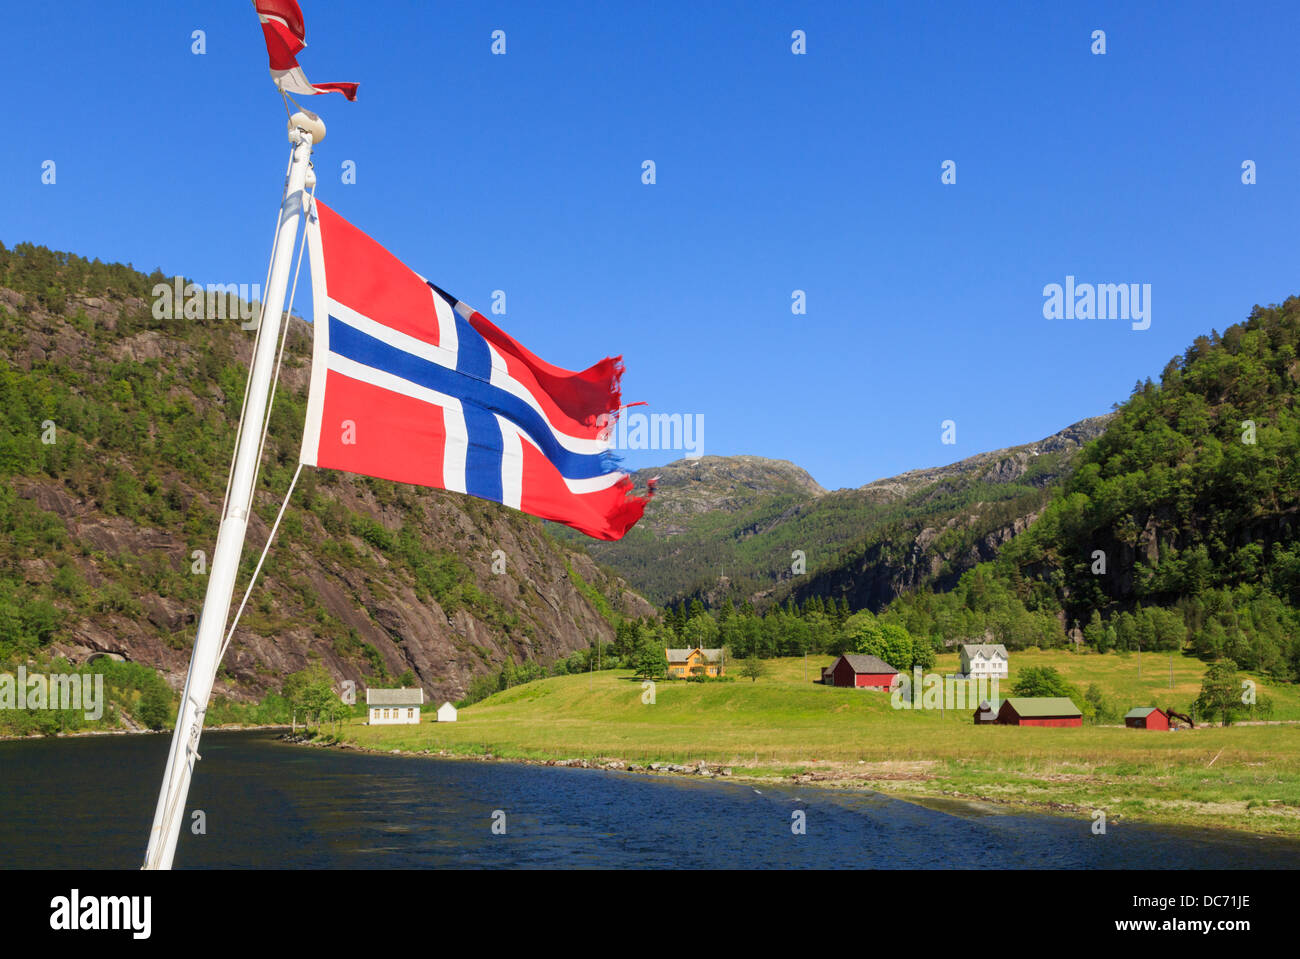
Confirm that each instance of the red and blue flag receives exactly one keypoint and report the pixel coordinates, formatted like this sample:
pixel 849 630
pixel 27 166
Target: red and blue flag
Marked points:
pixel 410 384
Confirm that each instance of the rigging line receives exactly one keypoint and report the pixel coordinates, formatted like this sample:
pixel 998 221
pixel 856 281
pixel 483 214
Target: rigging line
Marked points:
pixel 187 751
pixel 265 549
pixel 248 380
pixel 170 813
pixel 275 380
pixel 284 337
pixel 181 745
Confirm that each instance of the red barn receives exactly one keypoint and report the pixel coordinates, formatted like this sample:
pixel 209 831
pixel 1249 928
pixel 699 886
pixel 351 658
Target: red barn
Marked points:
pixel 863 672
pixel 1146 717
pixel 1040 711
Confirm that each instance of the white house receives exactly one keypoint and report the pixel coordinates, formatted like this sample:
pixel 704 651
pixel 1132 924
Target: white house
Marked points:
pixel 984 659
pixel 390 707
pixel 446 713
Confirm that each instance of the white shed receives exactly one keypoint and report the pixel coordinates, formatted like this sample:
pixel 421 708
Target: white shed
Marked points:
pixel 390 707
pixel 446 713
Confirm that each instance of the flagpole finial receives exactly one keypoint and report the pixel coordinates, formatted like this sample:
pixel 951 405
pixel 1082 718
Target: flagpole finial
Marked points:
pixel 306 122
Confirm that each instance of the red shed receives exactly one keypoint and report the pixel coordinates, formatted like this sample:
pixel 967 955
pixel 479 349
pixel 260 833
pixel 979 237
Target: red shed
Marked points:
pixel 863 672
pixel 987 714
pixel 1040 711
pixel 1146 717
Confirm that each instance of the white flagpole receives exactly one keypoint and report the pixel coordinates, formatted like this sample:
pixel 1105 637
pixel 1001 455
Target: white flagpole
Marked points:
pixel 303 131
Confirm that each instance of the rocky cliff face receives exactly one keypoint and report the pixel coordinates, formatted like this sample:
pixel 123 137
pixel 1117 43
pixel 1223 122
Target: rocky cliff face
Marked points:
pixel 912 559
pixel 378 627
pixel 370 579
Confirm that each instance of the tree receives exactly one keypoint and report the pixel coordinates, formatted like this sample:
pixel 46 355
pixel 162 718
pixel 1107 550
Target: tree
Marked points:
pixel 896 646
pixel 1094 634
pixel 1043 681
pixel 922 652
pixel 860 634
pixel 863 633
pixel 332 710
pixel 752 668
pixel 309 690
pixel 320 699
pixel 651 662
pixel 1221 692
pixel 627 638
pixel 700 630
pixel 155 705
pixel 1097 708
pixel 726 611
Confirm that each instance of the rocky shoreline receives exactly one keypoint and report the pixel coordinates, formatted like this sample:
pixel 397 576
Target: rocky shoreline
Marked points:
pixel 830 779
pixel 701 768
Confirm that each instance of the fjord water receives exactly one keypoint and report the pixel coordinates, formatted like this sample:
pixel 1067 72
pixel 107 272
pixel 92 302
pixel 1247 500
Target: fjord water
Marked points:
pixel 88 802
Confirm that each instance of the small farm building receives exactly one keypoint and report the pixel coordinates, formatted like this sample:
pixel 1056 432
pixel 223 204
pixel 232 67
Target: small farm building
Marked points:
pixel 863 672
pixel 1146 717
pixel 1040 711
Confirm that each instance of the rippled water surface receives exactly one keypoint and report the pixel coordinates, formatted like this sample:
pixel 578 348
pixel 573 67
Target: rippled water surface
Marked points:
pixel 82 803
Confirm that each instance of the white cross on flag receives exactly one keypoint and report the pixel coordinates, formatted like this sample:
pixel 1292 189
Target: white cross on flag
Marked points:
pixel 410 384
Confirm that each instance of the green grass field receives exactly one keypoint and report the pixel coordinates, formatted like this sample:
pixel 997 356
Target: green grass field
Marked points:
pixel 1241 777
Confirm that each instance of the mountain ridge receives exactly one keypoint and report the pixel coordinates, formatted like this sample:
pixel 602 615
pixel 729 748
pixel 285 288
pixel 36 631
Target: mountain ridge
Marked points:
pixel 746 515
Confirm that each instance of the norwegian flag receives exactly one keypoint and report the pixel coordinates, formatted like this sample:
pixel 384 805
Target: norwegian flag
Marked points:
pixel 286 36
pixel 410 384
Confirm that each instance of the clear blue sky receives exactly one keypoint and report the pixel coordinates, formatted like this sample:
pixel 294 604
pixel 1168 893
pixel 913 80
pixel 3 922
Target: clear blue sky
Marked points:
pixel 775 172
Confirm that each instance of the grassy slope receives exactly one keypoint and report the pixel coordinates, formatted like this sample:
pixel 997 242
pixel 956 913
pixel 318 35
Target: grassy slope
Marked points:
pixel 1244 777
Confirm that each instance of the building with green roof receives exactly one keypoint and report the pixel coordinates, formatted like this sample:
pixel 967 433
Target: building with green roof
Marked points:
pixel 1146 717
pixel 1039 711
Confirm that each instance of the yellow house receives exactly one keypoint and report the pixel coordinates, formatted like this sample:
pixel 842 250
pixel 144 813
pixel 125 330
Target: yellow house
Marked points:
pixel 695 662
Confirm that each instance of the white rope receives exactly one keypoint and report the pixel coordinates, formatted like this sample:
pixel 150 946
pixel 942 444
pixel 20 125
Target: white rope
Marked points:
pixel 279 357
pixel 270 405
pixel 169 814
pixel 183 744
pixel 262 559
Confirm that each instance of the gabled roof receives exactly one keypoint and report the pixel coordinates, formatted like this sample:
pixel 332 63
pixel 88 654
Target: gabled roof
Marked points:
pixel 394 697
pixel 1141 712
pixel 989 706
pixel 862 663
pixel 682 655
pixel 987 650
pixel 1042 706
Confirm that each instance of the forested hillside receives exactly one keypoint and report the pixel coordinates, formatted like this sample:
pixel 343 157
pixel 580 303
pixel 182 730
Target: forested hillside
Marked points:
pixel 116 431
pixel 716 525
pixel 728 527
pixel 1177 526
